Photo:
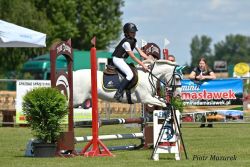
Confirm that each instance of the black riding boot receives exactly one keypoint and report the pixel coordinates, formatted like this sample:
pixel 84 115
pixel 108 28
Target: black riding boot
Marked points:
pixel 119 92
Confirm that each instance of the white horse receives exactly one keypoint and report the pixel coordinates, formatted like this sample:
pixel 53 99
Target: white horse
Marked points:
pixel 142 93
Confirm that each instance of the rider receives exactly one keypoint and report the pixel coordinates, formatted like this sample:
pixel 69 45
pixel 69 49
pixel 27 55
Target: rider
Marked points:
pixel 122 51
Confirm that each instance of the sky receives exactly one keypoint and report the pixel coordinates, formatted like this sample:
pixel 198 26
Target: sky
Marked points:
pixel 180 20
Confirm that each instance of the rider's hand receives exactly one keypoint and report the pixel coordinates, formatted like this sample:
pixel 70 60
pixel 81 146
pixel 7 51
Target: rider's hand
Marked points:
pixel 145 68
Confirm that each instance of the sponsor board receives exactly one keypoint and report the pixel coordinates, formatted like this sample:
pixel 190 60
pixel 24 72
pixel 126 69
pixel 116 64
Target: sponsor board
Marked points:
pixel 23 86
pixel 218 94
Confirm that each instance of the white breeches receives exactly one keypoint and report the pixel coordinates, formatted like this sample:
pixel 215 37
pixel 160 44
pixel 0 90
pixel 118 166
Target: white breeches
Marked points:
pixel 123 66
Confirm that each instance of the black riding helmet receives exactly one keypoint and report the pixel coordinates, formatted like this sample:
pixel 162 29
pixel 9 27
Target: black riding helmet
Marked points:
pixel 129 27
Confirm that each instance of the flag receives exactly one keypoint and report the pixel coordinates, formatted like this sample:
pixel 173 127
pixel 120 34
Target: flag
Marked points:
pixel 143 43
pixel 93 41
pixel 166 42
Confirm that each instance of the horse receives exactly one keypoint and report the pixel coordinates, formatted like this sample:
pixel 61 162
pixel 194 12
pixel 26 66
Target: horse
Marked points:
pixel 144 92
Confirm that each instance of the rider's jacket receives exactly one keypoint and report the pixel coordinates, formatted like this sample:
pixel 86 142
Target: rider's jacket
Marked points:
pixel 120 51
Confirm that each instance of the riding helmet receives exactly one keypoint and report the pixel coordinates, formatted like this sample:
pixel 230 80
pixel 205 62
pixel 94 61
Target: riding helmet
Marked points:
pixel 129 27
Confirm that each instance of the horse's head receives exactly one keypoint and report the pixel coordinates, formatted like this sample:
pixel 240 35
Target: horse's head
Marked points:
pixel 178 75
pixel 170 73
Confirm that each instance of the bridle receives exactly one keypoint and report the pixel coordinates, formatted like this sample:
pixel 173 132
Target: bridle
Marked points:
pixel 170 84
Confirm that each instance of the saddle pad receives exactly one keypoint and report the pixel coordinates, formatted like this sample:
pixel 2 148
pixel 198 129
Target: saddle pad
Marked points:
pixel 110 82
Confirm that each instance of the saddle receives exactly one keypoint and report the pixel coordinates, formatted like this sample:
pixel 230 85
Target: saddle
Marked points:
pixel 112 77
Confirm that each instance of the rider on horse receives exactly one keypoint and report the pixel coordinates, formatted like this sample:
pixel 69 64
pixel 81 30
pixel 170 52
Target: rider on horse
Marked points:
pixel 122 51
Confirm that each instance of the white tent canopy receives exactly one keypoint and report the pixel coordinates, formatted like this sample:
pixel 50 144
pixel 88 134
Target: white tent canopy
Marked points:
pixel 12 35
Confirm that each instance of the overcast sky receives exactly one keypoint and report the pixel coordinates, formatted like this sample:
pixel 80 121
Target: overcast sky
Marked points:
pixel 180 20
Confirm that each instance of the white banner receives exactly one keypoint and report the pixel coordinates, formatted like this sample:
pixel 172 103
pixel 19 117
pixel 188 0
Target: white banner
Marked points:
pixel 22 87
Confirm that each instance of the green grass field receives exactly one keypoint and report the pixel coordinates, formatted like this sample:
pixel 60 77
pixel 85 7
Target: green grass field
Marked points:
pixel 222 140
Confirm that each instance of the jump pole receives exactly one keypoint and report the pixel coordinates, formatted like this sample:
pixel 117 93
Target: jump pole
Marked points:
pixel 113 121
pixel 96 143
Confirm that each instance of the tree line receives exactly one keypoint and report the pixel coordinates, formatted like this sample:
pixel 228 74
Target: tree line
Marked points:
pixel 80 20
pixel 234 49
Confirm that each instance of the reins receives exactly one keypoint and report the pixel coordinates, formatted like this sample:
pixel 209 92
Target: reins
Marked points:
pixel 170 82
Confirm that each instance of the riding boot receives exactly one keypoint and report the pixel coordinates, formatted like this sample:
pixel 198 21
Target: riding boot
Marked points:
pixel 119 92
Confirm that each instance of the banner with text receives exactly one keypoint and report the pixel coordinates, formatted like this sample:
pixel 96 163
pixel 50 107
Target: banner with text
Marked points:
pixel 213 100
pixel 218 94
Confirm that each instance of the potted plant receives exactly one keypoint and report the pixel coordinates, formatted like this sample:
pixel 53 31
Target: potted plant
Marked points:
pixel 177 103
pixel 44 108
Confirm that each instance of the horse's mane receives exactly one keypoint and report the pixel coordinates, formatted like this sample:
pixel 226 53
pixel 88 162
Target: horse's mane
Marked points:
pixel 150 61
pixel 166 62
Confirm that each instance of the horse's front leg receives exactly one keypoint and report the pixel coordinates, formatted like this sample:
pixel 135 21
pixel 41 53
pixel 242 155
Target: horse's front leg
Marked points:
pixel 154 101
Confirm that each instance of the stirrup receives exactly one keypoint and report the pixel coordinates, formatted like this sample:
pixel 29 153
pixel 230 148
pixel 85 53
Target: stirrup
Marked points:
pixel 118 96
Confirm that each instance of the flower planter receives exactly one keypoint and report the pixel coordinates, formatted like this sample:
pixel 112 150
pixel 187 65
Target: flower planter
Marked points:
pixel 44 149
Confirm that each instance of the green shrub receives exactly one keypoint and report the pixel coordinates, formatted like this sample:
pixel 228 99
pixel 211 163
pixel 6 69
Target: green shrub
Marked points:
pixel 44 109
pixel 177 103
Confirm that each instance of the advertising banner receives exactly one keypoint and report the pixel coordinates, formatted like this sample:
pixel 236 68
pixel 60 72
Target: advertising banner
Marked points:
pixel 215 99
pixel 23 86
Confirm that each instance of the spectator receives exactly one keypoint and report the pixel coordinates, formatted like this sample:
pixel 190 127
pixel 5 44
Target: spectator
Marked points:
pixel 203 121
pixel 202 72
pixel 171 58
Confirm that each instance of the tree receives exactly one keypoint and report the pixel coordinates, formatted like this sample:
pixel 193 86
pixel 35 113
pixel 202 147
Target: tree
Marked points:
pixel 235 49
pixel 100 18
pixel 200 47
pixel 62 16
pixel 79 20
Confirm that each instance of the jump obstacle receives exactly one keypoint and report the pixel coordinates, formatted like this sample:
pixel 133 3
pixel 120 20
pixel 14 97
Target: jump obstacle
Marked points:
pixel 96 143
pixel 95 147
pixel 141 135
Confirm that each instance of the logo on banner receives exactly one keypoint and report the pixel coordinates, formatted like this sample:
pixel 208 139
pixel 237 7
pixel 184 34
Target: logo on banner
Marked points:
pixel 63 48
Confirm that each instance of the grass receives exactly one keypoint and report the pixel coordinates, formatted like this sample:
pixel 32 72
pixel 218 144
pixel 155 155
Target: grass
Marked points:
pixel 222 140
